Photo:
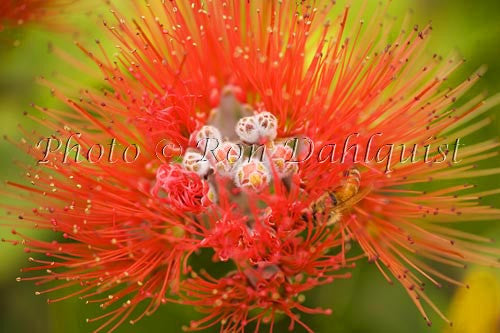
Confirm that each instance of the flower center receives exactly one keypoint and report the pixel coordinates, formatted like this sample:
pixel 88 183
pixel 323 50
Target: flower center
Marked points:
pixel 241 144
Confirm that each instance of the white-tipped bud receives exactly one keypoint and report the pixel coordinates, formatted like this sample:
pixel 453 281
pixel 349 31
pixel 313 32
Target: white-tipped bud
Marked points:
pixel 247 130
pixel 210 197
pixel 195 162
pixel 208 131
pixel 227 157
pixel 282 157
pixel 267 125
pixel 252 176
pixel 207 136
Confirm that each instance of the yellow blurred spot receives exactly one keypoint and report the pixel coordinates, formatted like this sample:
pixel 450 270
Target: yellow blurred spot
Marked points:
pixel 476 309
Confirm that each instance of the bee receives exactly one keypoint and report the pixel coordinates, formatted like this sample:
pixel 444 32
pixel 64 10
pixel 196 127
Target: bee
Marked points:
pixel 330 205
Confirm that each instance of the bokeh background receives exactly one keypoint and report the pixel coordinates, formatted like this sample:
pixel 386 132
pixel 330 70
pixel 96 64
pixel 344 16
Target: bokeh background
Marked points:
pixel 365 303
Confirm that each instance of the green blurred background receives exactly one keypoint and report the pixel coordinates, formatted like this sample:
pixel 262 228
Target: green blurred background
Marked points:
pixel 365 303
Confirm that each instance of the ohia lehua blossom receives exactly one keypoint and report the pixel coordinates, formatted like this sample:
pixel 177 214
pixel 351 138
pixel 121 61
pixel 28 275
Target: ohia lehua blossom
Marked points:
pixel 233 83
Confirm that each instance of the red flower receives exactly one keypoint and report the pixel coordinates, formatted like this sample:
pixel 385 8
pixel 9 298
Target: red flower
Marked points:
pixel 256 72
pixel 17 12
pixel 252 297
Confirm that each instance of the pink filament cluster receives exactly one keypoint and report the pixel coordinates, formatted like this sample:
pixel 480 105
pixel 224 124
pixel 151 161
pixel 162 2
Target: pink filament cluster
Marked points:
pixel 182 189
